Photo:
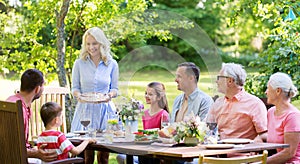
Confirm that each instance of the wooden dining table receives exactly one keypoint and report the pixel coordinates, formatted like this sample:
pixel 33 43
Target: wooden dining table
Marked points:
pixel 174 152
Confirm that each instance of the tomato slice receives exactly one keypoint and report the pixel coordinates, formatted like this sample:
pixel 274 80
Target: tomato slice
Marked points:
pixel 139 133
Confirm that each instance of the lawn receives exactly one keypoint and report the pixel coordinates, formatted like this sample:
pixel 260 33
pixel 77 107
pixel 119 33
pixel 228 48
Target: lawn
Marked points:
pixel 136 87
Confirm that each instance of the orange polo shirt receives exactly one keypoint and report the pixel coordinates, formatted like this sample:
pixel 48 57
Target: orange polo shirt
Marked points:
pixel 243 116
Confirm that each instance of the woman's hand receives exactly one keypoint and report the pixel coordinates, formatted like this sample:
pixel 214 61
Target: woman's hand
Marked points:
pixel 77 95
pixel 111 95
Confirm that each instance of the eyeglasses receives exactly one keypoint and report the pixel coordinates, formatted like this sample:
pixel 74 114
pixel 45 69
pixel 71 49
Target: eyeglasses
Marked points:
pixel 220 76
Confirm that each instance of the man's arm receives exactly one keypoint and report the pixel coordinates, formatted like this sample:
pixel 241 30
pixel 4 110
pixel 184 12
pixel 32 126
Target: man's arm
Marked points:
pixel 204 107
pixel 40 153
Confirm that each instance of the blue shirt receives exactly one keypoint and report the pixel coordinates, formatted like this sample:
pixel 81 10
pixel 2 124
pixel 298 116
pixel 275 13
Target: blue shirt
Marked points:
pixel 198 102
pixel 86 77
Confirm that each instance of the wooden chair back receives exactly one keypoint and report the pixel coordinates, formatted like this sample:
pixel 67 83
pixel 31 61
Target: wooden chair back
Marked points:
pixel 12 135
pixel 238 160
pixel 50 94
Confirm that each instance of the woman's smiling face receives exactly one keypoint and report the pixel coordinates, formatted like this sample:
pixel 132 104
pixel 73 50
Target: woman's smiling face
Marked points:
pixel 92 46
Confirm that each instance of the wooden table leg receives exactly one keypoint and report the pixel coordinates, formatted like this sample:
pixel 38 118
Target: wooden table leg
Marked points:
pixel 129 159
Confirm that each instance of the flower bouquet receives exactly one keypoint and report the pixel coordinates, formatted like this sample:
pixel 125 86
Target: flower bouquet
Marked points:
pixel 190 127
pixel 130 109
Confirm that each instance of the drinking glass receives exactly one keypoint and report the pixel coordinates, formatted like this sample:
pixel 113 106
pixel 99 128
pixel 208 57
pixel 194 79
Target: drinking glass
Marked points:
pixel 165 121
pixel 112 122
pixel 85 117
pixel 212 133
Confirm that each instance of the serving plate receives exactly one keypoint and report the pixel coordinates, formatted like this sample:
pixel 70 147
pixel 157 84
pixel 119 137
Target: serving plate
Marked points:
pixel 236 141
pixel 144 142
pixel 94 97
pixel 219 146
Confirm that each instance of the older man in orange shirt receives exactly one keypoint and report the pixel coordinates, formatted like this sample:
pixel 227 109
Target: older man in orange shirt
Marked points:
pixel 238 114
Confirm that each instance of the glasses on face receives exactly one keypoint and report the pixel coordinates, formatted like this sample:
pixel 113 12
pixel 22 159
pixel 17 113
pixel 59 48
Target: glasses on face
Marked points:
pixel 220 76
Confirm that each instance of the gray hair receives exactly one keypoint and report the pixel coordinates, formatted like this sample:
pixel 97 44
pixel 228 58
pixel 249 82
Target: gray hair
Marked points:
pixel 283 81
pixel 100 37
pixel 235 71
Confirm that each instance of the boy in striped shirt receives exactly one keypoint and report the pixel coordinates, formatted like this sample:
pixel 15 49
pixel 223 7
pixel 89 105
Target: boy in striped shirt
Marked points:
pixel 51 114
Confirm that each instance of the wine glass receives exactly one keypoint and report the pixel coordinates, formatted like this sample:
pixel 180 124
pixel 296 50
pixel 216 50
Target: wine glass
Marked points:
pixel 85 117
pixel 165 121
pixel 212 134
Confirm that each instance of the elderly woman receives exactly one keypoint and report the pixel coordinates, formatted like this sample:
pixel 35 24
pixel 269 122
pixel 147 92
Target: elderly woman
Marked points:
pixel 283 119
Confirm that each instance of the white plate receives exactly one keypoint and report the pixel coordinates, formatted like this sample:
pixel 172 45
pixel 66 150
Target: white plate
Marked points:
pixel 71 135
pixel 81 132
pixel 219 146
pixel 144 142
pixel 237 141
pixel 167 140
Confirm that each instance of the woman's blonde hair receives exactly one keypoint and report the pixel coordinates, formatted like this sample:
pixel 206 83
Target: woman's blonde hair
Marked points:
pixel 283 81
pixel 100 37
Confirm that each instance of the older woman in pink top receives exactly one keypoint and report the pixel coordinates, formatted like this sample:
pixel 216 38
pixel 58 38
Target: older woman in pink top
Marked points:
pixel 283 119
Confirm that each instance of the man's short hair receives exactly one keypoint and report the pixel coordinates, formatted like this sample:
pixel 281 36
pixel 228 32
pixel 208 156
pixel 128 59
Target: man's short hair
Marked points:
pixel 191 69
pixel 30 79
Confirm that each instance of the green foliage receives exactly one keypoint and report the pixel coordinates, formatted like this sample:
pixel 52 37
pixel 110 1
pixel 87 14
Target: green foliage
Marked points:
pixel 243 60
pixel 281 48
pixel 30 35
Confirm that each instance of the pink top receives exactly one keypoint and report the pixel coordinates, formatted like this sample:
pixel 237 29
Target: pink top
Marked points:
pixel 154 121
pixel 244 116
pixel 55 140
pixel 278 125
pixel 26 115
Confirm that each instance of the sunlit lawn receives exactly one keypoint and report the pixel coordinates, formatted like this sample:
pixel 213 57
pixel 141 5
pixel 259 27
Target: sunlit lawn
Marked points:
pixel 136 87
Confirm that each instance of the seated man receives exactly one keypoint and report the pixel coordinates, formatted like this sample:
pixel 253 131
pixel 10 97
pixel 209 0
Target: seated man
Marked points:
pixel 238 114
pixel 192 100
pixel 32 87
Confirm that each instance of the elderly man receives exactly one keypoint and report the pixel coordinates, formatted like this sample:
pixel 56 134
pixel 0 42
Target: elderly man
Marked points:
pixel 192 99
pixel 32 87
pixel 238 114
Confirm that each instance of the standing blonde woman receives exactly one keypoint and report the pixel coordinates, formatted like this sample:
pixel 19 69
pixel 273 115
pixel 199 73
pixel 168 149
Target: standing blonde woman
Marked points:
pixel 283 119
pixel 95 71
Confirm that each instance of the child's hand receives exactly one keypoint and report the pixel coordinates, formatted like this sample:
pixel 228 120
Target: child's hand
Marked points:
pixel 92 140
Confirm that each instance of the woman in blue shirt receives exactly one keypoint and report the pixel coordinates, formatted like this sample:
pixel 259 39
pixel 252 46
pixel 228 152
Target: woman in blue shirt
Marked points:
pixel 94 71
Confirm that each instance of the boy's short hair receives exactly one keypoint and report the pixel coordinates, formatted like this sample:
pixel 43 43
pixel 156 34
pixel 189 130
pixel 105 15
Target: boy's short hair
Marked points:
pixel 49 111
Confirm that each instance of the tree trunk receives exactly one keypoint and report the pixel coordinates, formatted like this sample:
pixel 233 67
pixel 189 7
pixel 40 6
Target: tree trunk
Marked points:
pixel 61 56
pixel 60 25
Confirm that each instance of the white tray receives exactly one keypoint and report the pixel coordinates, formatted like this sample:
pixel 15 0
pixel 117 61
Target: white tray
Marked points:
pixel 92 97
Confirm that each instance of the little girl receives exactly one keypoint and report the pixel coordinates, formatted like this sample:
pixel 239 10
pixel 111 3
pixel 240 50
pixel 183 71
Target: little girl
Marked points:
pixel 155 96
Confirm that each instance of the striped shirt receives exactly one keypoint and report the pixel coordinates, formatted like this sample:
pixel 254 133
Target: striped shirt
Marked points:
pixel 55 140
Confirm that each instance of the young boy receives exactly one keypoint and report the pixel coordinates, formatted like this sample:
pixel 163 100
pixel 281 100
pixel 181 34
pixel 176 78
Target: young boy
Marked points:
pixel 52 118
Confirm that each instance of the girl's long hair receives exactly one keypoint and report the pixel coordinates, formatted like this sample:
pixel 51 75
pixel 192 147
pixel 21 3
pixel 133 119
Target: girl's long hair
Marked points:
pixel 161 93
